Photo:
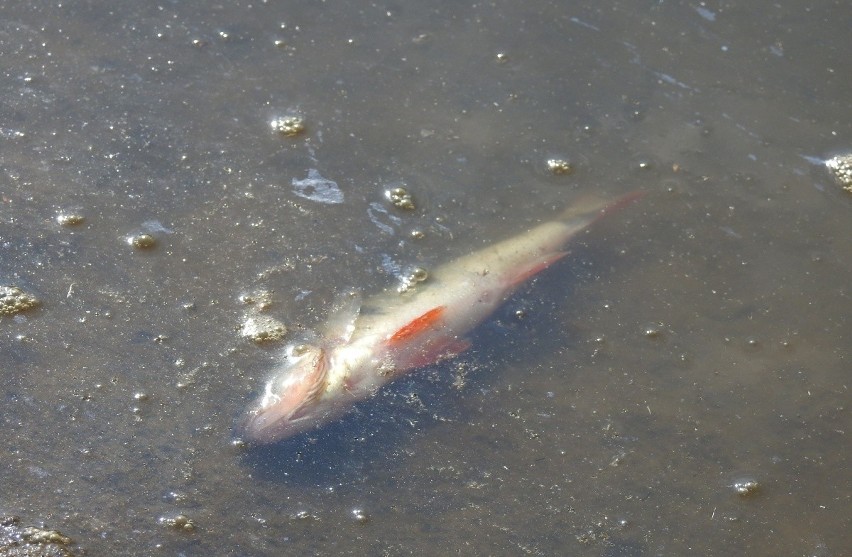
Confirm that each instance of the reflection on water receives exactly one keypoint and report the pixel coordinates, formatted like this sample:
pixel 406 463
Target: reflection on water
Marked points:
pixel 675 385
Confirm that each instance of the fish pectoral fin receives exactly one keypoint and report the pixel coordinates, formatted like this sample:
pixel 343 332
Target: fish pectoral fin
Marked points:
pixel 417 326
pixel 341 320
pixel 517 277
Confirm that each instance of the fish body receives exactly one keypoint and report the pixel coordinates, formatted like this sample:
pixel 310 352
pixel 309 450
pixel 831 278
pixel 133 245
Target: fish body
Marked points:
pixel 365 348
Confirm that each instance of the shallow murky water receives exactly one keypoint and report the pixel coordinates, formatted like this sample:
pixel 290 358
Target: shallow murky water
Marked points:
pixel 678 385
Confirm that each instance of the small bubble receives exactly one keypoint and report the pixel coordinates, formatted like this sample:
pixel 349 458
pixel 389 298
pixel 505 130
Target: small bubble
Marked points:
pixel 419 274
pixel 69 219
pixel 360 516
pixel 288 125
pixel 142 241
pixel 654 330
pixel 178 522
pixel 410 280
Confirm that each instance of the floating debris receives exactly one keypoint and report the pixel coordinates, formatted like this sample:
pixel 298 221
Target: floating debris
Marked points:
pixel 319 189
pixel 559 167
pixel 400 198
pixel 288 125
pixel 14 300
pixel 840 167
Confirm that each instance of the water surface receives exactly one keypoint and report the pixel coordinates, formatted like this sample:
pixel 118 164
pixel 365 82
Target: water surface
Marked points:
pixel 695 343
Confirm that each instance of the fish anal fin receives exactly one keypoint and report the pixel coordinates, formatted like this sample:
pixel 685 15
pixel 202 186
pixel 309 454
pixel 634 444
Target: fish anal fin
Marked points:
pixel 442 349
pixel 417 326
pixel 520 276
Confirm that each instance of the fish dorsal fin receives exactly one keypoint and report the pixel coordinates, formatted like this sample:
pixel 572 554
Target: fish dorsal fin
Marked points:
pixel 341 319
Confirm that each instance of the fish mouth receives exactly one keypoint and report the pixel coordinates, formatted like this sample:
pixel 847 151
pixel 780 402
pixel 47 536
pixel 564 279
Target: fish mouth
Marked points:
pixel 258 426
pixel 269 425
pixel 261 426
pixel 292 399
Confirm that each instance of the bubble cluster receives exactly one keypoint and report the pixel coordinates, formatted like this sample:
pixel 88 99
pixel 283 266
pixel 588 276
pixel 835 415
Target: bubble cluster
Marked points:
pixel 840 167
pixel 14 300
pixel 559 167
pixel 400 198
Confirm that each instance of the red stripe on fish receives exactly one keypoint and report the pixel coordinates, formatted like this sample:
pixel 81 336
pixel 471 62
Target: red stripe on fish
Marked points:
pixel 419 325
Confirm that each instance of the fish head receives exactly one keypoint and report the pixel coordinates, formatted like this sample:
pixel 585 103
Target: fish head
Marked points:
pixel 292 399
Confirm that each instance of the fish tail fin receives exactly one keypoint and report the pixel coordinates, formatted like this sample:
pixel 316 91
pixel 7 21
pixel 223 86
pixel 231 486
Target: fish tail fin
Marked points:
pixel 590 208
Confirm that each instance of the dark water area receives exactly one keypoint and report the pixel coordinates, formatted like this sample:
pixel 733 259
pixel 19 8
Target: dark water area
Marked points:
pixel 679 384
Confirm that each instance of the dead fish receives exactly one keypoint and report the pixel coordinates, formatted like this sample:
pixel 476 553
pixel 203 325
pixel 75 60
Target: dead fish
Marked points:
pixel 365 347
